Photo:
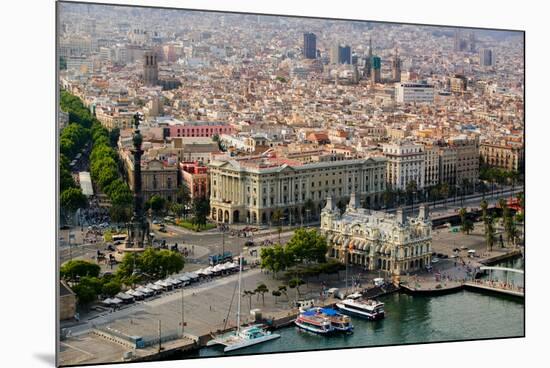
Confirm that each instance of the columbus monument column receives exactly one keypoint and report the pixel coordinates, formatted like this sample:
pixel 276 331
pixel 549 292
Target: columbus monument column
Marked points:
pixel 138 227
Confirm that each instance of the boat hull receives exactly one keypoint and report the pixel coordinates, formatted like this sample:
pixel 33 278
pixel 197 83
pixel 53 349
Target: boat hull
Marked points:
pixel 365 315
pixel 245 343
pixel 312 329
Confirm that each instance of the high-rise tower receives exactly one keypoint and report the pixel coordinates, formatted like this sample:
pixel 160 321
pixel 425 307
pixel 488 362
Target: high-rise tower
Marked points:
pixel 396 67
pixel 376 63
pixel 310 45
pixel 150 68
pixel 368 67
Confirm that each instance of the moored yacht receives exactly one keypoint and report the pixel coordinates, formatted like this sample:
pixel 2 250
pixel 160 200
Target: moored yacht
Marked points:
pixel 338 321
pixel 368 309
pixel 311 321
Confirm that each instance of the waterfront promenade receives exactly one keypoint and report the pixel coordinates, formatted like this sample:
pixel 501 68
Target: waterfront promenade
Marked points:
pixel 207 304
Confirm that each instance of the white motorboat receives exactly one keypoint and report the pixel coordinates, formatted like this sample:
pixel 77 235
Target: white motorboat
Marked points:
pixel 369 309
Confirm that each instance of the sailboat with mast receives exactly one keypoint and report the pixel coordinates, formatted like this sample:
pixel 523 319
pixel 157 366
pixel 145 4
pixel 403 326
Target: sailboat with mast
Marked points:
pixel 243 336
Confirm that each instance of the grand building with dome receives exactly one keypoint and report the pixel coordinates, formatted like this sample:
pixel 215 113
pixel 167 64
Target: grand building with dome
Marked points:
pixel 377 240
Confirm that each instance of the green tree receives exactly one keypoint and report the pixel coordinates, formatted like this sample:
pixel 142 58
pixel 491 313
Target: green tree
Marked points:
pixel 106 176
pixel 111 288
pixel 152 262
pixel 66 180
pixel 177 209
pixel 157 203
pixel 120 214
pixel 102 151
pixel 388 197
pixel 201 210
pixel 84 294
pixel 295 283
pixel 261 290
pixel 467 225
pixel 93 282
pixel 276 294
pixel 72 199
pixel 307 246
pixel 184 196
pixel 78 268
pixel 274 259
pixel 114 134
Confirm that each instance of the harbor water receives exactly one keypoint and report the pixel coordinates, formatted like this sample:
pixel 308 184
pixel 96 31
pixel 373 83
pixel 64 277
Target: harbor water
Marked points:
pixel 462 315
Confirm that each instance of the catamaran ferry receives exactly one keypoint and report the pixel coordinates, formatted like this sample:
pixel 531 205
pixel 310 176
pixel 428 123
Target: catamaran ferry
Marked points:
pixel 339 322
pixel 311 321
pixel 368 309
pixel 245 336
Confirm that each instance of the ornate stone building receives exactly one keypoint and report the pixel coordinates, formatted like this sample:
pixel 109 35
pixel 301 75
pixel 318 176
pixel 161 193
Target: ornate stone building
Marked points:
pixel 378 240
pixel 250 190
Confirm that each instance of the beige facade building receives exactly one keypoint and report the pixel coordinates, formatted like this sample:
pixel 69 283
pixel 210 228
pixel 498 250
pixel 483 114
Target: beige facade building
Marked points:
pixel 378 240
pixel 504 156
pixel 111 119
pixel 157 177
pixel 431 173
pixel 405 163
pixel 250 190
pixel 447 165
pixel 467 158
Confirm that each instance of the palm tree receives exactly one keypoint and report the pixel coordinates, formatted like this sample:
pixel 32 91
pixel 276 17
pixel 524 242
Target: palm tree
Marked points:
pixel 490 236
pixel 444 191
pixel 504 207
pixel 183 196
pixel 400 195
pixel 434 193
pixel 282 290
pixel 467 225
pixel 277 218
pixel 276 294
pixel 410 190
pixel 249 294
pixel 483 188
pixel 388 197
pixel 295 283
pixel 510 230
pixel 484 206
pixel 261 290
pixel 309 206
pixel 465 186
